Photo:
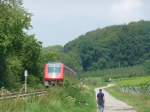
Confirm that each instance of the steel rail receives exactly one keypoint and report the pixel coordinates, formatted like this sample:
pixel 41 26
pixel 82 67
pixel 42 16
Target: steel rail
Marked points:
pixel 18 95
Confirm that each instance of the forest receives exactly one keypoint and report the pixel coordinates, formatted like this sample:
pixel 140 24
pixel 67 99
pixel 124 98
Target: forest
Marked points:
pixel 104 48
pixel 113 46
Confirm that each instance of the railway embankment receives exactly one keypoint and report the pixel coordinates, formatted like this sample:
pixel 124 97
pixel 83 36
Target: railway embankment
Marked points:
pixel 70 98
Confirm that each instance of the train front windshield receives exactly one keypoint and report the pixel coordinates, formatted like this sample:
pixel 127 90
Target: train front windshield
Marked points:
pixel 53 70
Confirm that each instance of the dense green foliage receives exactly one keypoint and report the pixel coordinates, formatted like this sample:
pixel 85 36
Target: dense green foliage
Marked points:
pixel 114 46
pixel 146 66
pixel 18 50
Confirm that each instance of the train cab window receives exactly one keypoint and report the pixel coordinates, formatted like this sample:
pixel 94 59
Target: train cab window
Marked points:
pixel 53 70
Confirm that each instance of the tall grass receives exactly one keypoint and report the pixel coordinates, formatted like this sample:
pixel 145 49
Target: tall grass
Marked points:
pixel 70 98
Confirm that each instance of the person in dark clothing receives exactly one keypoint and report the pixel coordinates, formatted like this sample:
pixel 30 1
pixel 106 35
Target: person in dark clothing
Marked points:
pixel 100 100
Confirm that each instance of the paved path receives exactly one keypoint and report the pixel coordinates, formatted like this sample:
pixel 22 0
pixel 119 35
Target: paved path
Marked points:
pixel 114 105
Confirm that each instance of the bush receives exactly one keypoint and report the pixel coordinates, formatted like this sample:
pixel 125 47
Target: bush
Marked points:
pixel 146 66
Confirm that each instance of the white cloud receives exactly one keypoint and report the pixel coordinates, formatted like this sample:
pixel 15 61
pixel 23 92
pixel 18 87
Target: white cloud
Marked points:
pixel 129 5
pixel 126 10
pixel 58 21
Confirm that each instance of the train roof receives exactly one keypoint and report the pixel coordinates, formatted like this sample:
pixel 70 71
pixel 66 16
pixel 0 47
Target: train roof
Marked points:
pixel 54 63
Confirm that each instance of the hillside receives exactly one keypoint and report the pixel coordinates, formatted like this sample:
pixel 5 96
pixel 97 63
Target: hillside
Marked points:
pixel 112 47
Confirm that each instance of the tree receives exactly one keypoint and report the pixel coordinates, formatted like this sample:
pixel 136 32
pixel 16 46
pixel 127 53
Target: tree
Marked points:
pixel 18 50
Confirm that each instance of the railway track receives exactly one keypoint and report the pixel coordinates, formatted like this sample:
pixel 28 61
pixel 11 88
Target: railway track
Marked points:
pixel 19 95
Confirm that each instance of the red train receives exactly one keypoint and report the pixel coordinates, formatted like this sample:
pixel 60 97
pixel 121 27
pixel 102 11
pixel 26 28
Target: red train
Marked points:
pixel 54 73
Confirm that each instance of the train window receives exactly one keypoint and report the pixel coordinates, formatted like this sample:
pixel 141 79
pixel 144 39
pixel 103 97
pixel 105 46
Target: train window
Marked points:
pixel 53 70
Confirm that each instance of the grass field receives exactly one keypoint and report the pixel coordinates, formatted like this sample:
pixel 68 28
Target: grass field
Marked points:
pixel 94 82
pixel 141 100
pixel 136 81
pixel 116 73
pixel 141 103
pixel 137 85
pixel 71 98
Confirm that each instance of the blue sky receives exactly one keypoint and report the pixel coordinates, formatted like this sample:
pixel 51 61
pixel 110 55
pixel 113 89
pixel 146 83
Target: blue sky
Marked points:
pixel 59 21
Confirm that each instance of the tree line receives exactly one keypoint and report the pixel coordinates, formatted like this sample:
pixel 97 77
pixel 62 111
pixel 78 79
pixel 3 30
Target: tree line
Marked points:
pixel 112 47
